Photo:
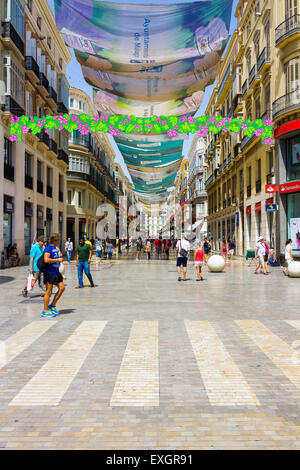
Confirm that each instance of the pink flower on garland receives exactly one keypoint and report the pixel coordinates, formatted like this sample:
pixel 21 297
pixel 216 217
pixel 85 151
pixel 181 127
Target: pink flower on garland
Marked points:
pixel 172 133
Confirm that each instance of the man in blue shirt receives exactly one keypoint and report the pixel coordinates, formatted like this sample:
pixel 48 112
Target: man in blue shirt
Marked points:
pixel 35 253
pixel 52 276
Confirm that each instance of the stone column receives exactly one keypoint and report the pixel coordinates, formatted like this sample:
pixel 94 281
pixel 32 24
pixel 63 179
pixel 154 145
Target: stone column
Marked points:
pixel 19 154
pixel 1 185
pixel 55 224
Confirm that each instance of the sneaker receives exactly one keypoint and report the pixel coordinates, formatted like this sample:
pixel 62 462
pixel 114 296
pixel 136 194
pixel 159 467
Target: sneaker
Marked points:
pixel 24 293
pixel 179 279
pixel 53 310
pixel 48 313
pixel 92 285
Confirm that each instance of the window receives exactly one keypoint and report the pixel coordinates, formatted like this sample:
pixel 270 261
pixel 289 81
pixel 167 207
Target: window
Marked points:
pixel 49 176
pixel 80 104
pixel 13 12
pixel 256 46
pixel 292 75
pixel 29 108
pixel 39 170
pixel 49 42
pixel 29 5
pixel 291 8
pixel 267 33
pixel 39 22
pixel 267 98
pixel 71 102
pixel 293 158
pixel 79 198
pixel 28 164
pixel 7 152
pixel 257 108
pixel 13 79
pixel 60 63
pixel 70 196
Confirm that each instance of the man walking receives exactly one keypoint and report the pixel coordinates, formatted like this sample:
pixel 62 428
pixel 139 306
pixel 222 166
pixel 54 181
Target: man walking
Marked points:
pixel 69 249
pixel 52 275
pixel 260 251
pixel 83 260
pixel 183 248
pixel 35 253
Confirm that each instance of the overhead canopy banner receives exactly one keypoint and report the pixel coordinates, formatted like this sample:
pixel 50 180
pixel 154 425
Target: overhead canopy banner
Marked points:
pixel 146 59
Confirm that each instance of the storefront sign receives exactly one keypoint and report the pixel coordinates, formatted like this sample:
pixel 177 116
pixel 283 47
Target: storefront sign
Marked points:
pixel 292 187
pixel 271 188
pixel 271 207
pixel 270 201
pixel 248 210
pixel 258 207
pixel 237 219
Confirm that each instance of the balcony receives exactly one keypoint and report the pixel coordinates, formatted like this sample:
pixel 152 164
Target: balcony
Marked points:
pixel 237 151
pixel 245 88
pixel 40 187
pixel 10 36
pixel 237 104
pixel 234 199
pixel 241 196
pixel 81 140
pixel 62 155
pixel 286 103
pixel 229 159
pixel 11 106
pixel 258 186
pixel 254 77
pixel 287 31
pixel 209 181
pixel 264 60
pixel 246 141
pixel 43 84
pixel 52 97
pixel 249 190
pixel 32 69
pixel 222 89
pixel 28 182
pixel 44 138
pixel 52 146
pixel 9 172
pixel 49 191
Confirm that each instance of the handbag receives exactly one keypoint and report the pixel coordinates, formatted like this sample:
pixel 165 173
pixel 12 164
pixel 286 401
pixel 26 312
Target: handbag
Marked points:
pixel 183 252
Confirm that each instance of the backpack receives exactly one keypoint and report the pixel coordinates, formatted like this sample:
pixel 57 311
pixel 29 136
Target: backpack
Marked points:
pixel 41 264
pixel 183 252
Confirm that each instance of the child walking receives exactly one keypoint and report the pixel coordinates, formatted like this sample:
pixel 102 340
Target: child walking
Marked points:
pixel 198 262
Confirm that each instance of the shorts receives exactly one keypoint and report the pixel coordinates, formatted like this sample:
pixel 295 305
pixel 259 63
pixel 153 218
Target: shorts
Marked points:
pixel 53 279
pixel 199 263
pixel 231 252
pixel 266 258
pixel 206 251
pixel 109 255
pixel 261 260
pixel 181 261
pixel 98 254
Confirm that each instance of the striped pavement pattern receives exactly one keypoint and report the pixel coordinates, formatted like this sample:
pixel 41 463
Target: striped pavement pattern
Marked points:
pixel 21 340
pixel 52 381
pixel 224 383
pixel 137 382
pixel 279 352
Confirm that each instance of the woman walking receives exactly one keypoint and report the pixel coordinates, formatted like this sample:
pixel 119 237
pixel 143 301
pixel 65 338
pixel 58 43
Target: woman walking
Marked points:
pixel 139 246
pixel 224 248
pixel 231 246
pixel 198 262
pixel 148 249
pixel 266 257
pixel 288 256
pixel 206 247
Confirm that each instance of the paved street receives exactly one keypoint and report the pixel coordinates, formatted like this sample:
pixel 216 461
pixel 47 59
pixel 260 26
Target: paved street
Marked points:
pixel 145 362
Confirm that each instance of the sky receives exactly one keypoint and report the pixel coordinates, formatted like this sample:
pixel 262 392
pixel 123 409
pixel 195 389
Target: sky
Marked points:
pixel 75 78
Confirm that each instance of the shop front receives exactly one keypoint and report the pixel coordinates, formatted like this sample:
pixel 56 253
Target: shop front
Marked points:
pixel 28 213
pixel 288 154
pixel 8 211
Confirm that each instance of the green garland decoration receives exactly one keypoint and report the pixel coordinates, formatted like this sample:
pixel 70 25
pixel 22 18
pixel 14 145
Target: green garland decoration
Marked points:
pixel 115 124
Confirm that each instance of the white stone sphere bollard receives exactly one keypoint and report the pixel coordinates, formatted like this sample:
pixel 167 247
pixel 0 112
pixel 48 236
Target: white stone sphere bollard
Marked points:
pixel 216 264
pixel 294 269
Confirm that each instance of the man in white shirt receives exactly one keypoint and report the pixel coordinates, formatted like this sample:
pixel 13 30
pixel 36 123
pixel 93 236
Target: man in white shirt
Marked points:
pixel 183 248
pixel 260 251
pixel 69 249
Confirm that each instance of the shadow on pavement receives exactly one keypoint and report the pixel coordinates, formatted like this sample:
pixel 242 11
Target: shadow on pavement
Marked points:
pixel 4 279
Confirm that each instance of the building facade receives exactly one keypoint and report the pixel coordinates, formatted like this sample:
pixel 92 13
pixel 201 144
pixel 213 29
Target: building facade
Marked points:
pixel 32 172
pixel 196 184
pixel 90 176
pixel 286 116
pixel 239 168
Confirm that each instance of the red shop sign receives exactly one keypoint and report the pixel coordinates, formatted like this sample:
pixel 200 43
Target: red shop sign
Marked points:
pixel 271 188
pixel 291 187
pixel 248 210
pixel 270 201
pixel 258 207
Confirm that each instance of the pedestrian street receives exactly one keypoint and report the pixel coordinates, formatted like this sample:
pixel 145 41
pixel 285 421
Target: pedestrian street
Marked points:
pixel 143 361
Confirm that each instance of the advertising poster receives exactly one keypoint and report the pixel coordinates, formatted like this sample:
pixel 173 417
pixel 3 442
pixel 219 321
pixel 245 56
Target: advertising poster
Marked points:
pixel 295 233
